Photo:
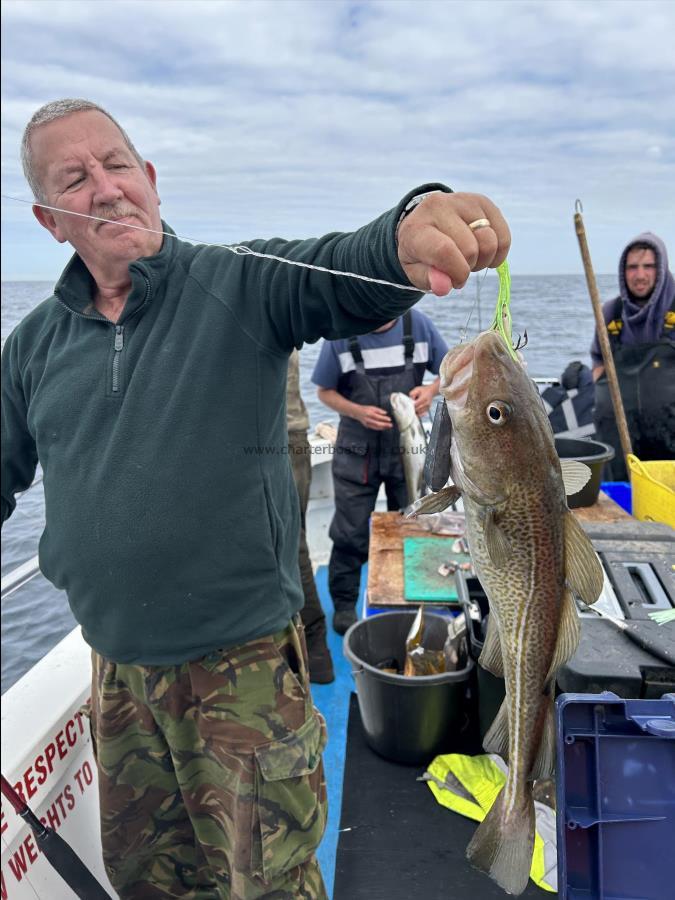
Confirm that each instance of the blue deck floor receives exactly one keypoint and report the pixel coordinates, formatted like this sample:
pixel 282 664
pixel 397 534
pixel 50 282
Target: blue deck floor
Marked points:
pixel 333 702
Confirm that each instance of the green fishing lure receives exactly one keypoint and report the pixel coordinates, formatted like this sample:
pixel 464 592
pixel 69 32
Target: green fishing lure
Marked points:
pixel 502 320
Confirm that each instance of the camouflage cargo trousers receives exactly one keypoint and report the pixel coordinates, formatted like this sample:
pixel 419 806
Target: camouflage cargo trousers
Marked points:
pixel 210 774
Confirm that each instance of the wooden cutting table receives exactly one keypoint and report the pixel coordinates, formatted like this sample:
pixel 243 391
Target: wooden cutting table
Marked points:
pixel 385 556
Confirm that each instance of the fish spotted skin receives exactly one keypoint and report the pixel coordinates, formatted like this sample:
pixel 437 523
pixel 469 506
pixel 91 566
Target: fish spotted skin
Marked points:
pixel 526 548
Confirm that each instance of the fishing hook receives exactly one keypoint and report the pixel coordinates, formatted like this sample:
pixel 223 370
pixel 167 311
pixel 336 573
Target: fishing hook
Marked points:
pixel 523 339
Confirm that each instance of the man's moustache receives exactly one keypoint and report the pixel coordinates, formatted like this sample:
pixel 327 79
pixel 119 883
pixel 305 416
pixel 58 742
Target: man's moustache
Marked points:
pixel 111 214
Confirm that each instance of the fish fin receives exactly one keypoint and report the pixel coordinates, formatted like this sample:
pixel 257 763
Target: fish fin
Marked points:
pixel 569 633
pixel 583 569
pixel 434 503
pixel 491 654
pixel 496 739
pixel 503 847
pixel 575 475
pixel 496 542
pixel 414 638
pixel 544 764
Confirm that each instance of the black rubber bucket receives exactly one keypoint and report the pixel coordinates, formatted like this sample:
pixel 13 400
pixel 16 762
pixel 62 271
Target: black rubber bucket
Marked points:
pixel 405 719
pixel 594 454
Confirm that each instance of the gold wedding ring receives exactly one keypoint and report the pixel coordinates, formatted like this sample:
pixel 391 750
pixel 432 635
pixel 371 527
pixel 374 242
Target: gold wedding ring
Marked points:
pixel 479 223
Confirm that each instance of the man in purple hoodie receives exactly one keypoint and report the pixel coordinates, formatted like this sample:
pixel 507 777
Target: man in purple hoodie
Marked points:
pixel 641 327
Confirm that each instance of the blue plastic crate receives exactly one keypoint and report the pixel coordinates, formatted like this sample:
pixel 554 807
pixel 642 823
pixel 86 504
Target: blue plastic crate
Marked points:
pixel 620 492
pixel 615 797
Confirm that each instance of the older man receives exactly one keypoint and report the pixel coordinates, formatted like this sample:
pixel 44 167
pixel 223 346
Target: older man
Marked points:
pixel 641 327
pixel 151 389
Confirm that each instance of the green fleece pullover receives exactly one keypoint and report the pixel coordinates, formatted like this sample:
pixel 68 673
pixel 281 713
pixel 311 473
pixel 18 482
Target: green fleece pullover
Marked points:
pixel 171 511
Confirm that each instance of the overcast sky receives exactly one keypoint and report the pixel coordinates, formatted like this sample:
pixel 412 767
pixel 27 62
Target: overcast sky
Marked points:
pixel 298 118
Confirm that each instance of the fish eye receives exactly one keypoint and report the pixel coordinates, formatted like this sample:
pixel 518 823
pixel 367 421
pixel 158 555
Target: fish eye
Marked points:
pixel 498 412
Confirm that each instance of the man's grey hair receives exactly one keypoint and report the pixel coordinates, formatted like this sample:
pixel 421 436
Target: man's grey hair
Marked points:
pixel 50 112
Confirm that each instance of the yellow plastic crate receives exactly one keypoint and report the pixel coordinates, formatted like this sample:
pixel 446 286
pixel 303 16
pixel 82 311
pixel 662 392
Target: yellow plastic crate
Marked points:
pixel 653 489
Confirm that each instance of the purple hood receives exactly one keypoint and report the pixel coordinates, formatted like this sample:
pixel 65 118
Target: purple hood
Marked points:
pixel 642 324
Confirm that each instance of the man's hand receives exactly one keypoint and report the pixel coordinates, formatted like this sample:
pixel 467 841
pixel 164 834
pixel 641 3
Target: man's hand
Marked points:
pixel 373 417
pixel 423 396
pixel 438 250
pixel 369 416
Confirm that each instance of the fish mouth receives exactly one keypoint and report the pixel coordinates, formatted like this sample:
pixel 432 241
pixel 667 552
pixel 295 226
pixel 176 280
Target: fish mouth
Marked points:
pixel 484 357
pixel 456 374
pixel 403 408
pixel 492 354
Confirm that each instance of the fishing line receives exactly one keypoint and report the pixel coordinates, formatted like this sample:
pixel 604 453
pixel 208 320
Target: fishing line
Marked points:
pixel 237 249
pixel 464 330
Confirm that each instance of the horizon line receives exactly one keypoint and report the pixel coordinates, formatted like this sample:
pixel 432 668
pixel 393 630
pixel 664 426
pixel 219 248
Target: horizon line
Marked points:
pixel 23 279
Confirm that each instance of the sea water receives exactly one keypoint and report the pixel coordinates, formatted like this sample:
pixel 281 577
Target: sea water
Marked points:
pixel 554 309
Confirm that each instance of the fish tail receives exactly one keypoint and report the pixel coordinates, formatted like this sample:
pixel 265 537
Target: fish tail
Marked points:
pixel 502 845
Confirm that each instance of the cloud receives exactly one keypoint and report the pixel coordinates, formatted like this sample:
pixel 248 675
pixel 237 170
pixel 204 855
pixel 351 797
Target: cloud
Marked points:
pixel 297 118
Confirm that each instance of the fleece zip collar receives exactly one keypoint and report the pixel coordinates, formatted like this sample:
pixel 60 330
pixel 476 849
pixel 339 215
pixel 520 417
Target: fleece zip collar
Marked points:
pixel 75 289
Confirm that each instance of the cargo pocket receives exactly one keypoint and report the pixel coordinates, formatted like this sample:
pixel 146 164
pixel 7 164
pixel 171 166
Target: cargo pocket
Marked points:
pixel 290 799
pixel 350 461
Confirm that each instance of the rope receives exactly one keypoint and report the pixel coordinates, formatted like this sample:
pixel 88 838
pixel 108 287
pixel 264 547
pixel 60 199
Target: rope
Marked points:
pixel 237 249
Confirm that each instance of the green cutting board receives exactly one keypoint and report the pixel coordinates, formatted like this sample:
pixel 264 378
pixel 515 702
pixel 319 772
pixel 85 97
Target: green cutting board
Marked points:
pixel 421 559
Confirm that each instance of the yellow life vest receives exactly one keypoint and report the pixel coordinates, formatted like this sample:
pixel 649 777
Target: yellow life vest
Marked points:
pixel 469 785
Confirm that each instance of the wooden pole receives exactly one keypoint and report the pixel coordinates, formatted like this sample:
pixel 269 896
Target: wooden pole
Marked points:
pixel 601 328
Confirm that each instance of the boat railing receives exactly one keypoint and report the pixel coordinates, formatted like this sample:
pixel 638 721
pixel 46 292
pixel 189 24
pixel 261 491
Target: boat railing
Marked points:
pixel 20 576
pixel 27 570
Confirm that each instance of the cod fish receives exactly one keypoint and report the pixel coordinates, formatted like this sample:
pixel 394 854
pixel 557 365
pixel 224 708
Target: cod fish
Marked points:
pixel 531 556
pixel 412 443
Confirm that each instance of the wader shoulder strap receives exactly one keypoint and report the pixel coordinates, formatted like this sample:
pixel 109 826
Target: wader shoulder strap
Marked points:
pixel 357 356
pixel 669 320
pixel 408 346
pixel 408 340
pixel 615 324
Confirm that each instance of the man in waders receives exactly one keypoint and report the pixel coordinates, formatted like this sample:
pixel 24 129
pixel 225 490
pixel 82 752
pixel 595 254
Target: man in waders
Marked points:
pixel 355 378
pixel 641 326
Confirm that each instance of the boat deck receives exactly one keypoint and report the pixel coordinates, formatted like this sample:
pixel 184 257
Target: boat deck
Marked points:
pixel 333 702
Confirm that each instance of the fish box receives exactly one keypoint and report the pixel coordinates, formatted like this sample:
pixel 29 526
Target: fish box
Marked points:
pixel 620 492
pixel 615 783
pixel 639 560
